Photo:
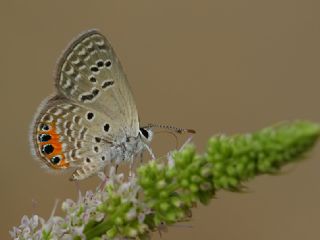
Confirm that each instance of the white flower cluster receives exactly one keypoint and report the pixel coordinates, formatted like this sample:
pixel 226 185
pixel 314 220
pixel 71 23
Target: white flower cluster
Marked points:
pixel 78 214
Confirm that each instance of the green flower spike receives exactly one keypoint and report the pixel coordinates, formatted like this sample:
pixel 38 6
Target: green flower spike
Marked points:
pixel 239 158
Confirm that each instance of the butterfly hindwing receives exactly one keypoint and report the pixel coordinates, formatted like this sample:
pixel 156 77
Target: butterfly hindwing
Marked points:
pixel 69 135
pixel 90 74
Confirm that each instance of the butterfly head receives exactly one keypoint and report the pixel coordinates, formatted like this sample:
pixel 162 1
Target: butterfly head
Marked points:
pixel 146 134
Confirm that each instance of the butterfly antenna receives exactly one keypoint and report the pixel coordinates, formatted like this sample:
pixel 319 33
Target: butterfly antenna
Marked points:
pixel 54 208
pixel 171 128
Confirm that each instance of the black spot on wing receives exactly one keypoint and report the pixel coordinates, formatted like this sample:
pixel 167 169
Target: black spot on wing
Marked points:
pixel 94 69
pixel 47 149
pixel 92 79
pixel 108 63
pixel 55 160
pixel 44 137
pixel 106 127
pixel 106 84
pixel 90 96
pixel 44 127
pixel 90 115
pixel 96 149
pixel 100 64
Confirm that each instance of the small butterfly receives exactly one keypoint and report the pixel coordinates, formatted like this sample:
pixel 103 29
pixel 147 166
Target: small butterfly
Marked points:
pixel 92 119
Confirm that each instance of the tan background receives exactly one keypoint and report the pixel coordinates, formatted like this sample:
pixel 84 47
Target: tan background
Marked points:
pixel 216 66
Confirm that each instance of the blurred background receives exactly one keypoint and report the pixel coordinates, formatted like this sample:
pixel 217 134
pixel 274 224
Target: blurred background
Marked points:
pixel 216 66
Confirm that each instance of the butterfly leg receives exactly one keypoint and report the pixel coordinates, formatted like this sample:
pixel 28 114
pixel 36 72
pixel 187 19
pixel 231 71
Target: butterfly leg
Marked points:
pixel 34 205
pixel 150 152
pixel 186 143
pixel 141 157
pixel 54 208
pixel 104 177
pixel 76 183
pixel 131 168
pixel 170 154
pixel 170 159
pixel 162 228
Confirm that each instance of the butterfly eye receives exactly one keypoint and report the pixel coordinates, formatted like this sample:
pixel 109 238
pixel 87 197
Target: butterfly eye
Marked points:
pixel 55 160
pixel 144 132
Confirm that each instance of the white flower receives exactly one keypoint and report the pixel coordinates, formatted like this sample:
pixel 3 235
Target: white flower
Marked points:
pixel 79 213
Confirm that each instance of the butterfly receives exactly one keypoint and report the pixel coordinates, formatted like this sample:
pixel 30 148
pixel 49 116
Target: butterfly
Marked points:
pixel 92 119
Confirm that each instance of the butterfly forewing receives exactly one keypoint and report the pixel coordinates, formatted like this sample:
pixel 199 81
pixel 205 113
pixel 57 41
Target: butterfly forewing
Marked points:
pixel 90 74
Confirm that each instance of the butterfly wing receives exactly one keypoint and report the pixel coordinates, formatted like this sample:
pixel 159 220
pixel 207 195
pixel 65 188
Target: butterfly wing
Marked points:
pixel 93 109
pixel 90 74
pixel 63 137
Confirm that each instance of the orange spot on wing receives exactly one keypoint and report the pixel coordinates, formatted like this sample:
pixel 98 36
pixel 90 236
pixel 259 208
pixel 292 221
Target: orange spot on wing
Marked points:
pixel 57 145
